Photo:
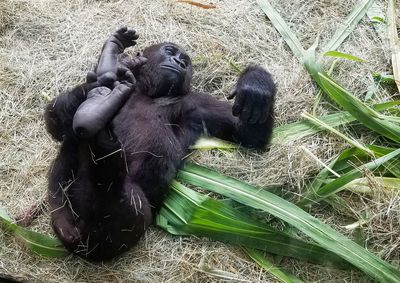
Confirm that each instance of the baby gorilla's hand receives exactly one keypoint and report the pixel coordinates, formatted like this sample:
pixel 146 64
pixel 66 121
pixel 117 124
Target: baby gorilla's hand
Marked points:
pixel 255 93
pixel 68 232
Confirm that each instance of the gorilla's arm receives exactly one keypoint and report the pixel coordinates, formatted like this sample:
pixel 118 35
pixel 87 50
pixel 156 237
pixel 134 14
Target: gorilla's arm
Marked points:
pixel 250 120
pixel 115 78
pixel 99 106
pixel 113 63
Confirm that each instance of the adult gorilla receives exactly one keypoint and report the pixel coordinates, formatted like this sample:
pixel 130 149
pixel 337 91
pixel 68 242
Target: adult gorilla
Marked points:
pixel 124 134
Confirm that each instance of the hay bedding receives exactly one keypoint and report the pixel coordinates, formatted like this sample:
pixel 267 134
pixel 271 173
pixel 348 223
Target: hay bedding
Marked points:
pixel 48 45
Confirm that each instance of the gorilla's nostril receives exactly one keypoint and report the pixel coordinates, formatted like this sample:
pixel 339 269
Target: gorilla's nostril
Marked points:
pixel 182 64
pixel 179 62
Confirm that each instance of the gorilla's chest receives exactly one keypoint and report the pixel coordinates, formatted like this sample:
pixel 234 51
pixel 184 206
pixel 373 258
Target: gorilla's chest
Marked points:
pixel 143 125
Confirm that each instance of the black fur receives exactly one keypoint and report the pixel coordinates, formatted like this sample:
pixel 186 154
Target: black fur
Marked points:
pixel 104 191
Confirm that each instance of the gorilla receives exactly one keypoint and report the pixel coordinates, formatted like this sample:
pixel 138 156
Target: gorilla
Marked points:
pixel 124 134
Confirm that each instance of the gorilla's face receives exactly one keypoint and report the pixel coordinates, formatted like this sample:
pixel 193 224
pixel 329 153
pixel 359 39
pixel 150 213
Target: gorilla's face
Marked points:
pixel 168 71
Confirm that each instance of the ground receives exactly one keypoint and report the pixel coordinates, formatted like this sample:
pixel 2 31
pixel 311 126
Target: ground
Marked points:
pixel 49 45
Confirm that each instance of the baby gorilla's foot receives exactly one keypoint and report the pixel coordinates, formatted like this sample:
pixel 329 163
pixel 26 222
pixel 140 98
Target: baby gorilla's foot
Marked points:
pixel 126 37
pixel 98 109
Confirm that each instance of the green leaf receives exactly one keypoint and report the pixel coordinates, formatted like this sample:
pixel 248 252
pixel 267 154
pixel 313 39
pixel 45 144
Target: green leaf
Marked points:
pixel 207 143
pixel 280 24
pixel 343 164
pixel 279 273
pixel 338 54
pixel 186 212
pixel 359 110
pixel 362 185
pixel 384 78
pixel 394 41
pixel 349 25
pixel 378 19
pixel 6 218
pixel 320 123
pixel 339 183
pixel 297 130
pixel 292 131
pixel 324 235
pixel 42 244
pixel 39 243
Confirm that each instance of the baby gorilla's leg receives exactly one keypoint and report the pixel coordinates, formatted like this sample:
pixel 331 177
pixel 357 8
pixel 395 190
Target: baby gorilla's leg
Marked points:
pixel 62 179
pixel 98 109
pixel 123 217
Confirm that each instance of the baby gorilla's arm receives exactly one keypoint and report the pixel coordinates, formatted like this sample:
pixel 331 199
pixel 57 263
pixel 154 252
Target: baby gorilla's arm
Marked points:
pixel 114 68
pixel 113 63
pixel 107 68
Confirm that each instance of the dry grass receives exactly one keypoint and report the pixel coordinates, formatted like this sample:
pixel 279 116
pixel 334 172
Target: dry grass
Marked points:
pixel 48 45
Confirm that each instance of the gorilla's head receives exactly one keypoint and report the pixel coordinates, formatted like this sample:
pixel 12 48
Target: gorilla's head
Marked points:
pixel 168 71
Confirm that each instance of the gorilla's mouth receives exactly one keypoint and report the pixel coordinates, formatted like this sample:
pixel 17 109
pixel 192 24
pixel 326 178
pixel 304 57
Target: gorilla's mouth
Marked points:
pixel 169 67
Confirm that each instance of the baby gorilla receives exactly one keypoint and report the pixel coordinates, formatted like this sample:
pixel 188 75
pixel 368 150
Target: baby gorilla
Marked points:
pixel 124 134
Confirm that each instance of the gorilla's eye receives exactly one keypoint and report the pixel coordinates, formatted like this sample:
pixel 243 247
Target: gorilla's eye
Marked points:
pixel 169 50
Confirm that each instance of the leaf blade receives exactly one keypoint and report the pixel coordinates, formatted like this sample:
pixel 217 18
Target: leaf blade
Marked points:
pixel 290 213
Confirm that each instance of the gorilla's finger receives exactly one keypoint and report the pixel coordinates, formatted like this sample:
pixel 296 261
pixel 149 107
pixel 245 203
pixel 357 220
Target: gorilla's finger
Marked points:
pixel 124 73
pixel 122 29
pixel 140 60
pixel 121 71
pixel 256 114
pixel 247 110
pixel 128 84
pixel 124 88
pixel 116 83
pixel 266 111
pixel 238 104
pixel 124 60
pixel 129 77
pixel 134 63
pixel 266 114
pixel 132 34
pixel 107 79
pixel 258 109
pixel 91 77
pixel 232 94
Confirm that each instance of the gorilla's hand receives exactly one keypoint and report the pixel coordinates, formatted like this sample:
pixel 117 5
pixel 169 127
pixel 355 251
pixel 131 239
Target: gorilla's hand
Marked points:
pixel 255 94
pixel 126 37
pixel 132 63
pixel 125 65
pixel 66 230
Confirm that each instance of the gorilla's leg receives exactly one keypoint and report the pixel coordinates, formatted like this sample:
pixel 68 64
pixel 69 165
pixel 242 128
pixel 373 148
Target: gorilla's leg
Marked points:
pixel 62 180
pixel 60 112
pixel 98 109
pixel 122 217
